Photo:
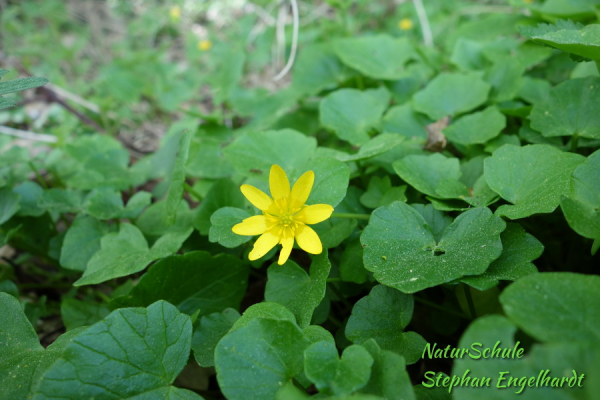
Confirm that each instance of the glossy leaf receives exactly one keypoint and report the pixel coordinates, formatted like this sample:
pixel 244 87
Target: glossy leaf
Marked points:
pixel 533 178
pixel 401 251
pixel 291 286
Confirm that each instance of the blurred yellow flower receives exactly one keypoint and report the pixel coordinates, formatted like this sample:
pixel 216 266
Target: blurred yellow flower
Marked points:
pixel 175 12
pixel 204 45
pixel 405 24
pixel 528 1
pixel 285 216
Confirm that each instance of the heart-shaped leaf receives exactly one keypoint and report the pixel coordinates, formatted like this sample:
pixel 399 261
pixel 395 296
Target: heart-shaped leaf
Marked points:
pixel 337 376
pixel 377 56
pixel 569 110
pixel 382 316
pixel 149 346
pixel 533 178
pixel 451 94
pixel 193 282
pixel 537 302
pixel 351 114
pixel 582 205
pixel 291 286
pixel 519 248
pixel 401 251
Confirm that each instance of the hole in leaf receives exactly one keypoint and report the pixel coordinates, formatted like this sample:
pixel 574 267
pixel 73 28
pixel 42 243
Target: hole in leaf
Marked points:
pixel 438 252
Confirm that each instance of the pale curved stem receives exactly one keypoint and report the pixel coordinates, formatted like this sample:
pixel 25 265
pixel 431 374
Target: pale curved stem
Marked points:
pixel 296 26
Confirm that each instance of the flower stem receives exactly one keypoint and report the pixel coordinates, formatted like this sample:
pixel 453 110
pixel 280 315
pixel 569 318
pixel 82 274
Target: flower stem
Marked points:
pixel 574 142
pixel 191 191
pixel 470 301
pixel 436 306
pixel 348 215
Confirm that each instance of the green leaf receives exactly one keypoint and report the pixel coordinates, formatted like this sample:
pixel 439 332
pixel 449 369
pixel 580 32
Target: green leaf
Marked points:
pixel 76 313
pixel 537 302
pixel 567 36
pixel 136 204
pixel 192 282
pixel 534 90
pixel 23 360
pixel 377 56
pixel 581 207
pixel 127 252
pixel 401 251
pixel 569 110
pixel 381 193
pixel 437 221
pixel 9 204
pixel 229 73
pixel 351 264
pixel 56 200
pixel 382 316
pixel 317 68
pixel 206 159
pixel 338 376
pixel 223 193
pixel 506 78
pixel 152 222
pixel 533 178
pixel 451 94
pixel 433 174
pixel 222 221
pixel 255 360
pixel 31 194
pixel 209 331
pixel 519 248
pixel 175 192
pixel 468 55
pixel 378 145
pixel 150 346
pixel 291 286
pixel 478 127
pixel 104 203
pixel 389 377
pixel 16 333
pixel 351 114
pixel 331 180
pixel 97 161
pixel 17 85
pixel 558 359
pixel 81 242
pixel 404 120
pixel 265 310
pixel 252 154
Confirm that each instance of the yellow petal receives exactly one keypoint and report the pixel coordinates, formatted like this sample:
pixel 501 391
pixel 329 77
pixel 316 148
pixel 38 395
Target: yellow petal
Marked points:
pixel 288 244
pixel 257 197
pixel 308 240
pixel 264 244
pixel 314 214
pixel 278 183
pixel 255 225
pixel 302 187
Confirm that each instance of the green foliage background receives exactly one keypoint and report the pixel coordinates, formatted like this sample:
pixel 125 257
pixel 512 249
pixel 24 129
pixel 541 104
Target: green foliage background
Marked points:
pixel 465 176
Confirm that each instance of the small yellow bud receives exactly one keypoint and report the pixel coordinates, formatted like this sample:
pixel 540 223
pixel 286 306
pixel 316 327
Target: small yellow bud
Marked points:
pixel 405 24
pixel 204 45
pixel 175 12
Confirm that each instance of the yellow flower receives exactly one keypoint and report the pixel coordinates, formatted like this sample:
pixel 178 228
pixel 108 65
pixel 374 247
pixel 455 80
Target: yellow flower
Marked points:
pixel 285 216
pixel 175 12
pixel 405 24
pixel 204 45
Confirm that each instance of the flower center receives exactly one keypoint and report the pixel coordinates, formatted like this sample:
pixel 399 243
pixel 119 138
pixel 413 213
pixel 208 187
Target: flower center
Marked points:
pixel 286 219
